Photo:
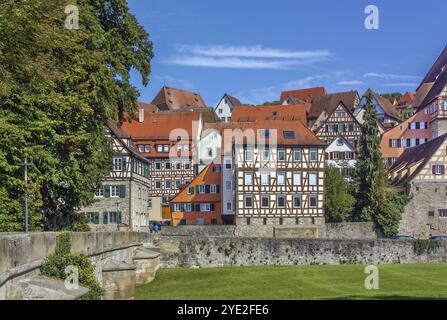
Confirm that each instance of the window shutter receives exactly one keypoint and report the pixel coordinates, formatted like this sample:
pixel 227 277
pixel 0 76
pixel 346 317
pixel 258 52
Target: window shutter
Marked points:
pixel 197 207
pixel 105 218
pixel 96 217
pixel 119 218
pixel 433 169
pixel 207 188
pixel 212 207
pixel 326 156
pixel 123 164
pixel 391 143
pixel 106 191
pixel 218 188
pixel 122 191
pixel 443 169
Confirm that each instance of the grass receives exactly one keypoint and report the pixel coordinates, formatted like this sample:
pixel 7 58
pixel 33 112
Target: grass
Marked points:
pixel 398 281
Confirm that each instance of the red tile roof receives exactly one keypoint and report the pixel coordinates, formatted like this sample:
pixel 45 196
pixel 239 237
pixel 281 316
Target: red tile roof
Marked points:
pixel 331 101
pixel 160 125
pixel 177 99
pixel 278 112
pixel 234 101
pixel 306 95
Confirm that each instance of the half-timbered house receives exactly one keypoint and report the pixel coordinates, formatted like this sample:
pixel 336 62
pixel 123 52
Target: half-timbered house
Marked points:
pixel 122 199
pixel 421 173
pixel 279 178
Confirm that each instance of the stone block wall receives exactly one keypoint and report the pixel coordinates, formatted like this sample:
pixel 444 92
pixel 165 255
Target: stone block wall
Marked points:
pixel 218 252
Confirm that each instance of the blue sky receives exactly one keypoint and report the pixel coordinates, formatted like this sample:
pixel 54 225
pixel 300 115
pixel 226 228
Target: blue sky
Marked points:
pixel 254 49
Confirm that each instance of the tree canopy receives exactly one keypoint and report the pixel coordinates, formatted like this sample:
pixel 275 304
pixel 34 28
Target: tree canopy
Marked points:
pixel 58 87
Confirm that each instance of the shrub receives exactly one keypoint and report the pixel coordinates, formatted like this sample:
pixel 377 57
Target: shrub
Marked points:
pixel 56 263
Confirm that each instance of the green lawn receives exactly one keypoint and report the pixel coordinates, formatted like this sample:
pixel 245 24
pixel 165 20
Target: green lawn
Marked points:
pixel 297 282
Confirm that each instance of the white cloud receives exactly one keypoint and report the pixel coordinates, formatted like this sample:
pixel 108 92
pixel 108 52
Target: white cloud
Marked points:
pixel 171 81
pixel 351 83
pixel 256 51
pixel 244 57
pixel 390 76
pixel 401 84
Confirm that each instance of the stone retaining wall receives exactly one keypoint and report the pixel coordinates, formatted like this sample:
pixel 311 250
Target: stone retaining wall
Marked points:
pixel 213 252
pixel 361 230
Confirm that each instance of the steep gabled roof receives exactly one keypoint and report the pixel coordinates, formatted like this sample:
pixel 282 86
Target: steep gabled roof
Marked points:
pixel 331 101
pixel 278 112
pixel 436 89
pixel 121 134
pixel 421 93
pixel 436 69
pixel 234 101
pixel 177 99
pixel 407 98
pixel 147 107
pixel 385 104
pixel 332 111
pixel 416 156
pixel 306 95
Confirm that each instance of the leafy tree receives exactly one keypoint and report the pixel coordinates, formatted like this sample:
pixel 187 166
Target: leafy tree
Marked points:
pixel 57 89
pixel 370 173
pixel 338 201
pixel 394 95
pixel 271 103
pixel 390 214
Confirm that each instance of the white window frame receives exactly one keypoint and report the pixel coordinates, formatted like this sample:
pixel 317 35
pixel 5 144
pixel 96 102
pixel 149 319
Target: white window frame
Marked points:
pixel 313 174
pixel 277 201
pixel 295 152
pixel 298 196
pixel 250 176
pixel 263 177
pixel 114 191
pixel 248 155
pixel 245 201
pixel 213 188
pixel 99 193
pixel 226 185
pixel 117 163
pixel 282 151
pixel 202 189
pixel 313 151
pixel 297 176
pixel 268 201
pixel 313 196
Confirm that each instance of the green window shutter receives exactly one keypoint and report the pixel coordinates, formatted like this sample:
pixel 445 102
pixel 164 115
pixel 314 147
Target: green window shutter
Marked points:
pixel 119 218
pixel 123 164
pixel 96 217
pixel 105 218
pixel 106 191
pixel 122 191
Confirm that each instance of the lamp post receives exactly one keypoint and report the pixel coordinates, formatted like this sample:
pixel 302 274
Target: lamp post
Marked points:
pixel 25 163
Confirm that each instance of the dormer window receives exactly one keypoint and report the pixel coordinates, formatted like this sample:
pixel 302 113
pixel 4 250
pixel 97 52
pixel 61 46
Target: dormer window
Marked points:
pixel 265 133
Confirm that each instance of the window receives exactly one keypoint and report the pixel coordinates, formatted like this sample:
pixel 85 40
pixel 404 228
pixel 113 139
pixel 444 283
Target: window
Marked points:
pixel 313 178
pixel 265 201
pixel 265 179
pixel 443 213
pixel 281 201
pixel 444 105
pixel 281 155
pixel 117 164
pixel 202 189
pixel 165 148
pixel 205 207
pixel 297 155
pixel 209 152
pixel 248 155
pixel 228 164
pixel 219 111
pixel 296 179
pixel 190 190
pixel 157 184
pixel 289 134
pixel 177 184
pixel 114 191
pixel 438 169
pixel 188 207
pixel 99 193
pixel 187 165
pixel 147 148
pixel 297 201
pixel 431 213
pixel 248 201
pixel 157 165
pixel 186 147
pixel 340 142
pixel 313 155
pixel 265 154
pixel 265 133
pixel 168 184
pixel 178 166
pixel 216 169
pixel 228 185
pixel 159 148
pixel 179 148
pixel 229 206
pixel 281 178
pixel 141 148
pixel 313 201
pixel 248 178
pixel 168 166
pixel 213 188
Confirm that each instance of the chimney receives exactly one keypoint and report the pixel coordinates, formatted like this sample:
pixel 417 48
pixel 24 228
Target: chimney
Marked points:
pixel 140 115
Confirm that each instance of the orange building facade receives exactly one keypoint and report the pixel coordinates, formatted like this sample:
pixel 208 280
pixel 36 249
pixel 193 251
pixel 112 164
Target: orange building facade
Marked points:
pixel 199 203
pixel 410 133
